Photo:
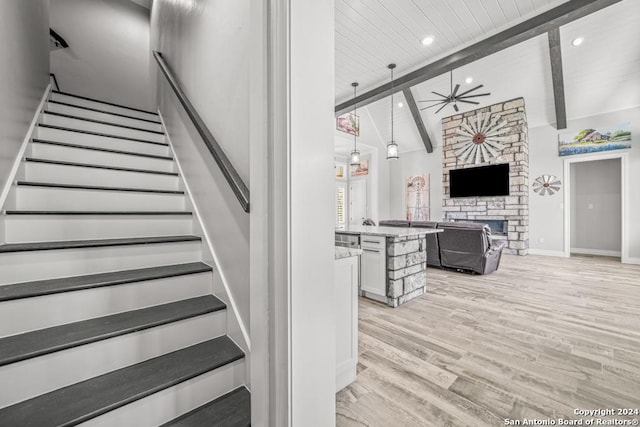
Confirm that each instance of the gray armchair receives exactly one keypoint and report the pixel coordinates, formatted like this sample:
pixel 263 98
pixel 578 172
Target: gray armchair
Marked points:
pixel 468 246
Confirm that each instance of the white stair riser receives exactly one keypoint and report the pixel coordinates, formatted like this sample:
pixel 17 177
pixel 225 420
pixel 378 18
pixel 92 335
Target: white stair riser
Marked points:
pixel 78 155
pixel 62 174
pixel 38 265
pixel 101 106
pixel 72 123
pixel 49 198
pixel 170 403
pixel 88 140
pixel 43 374
pixel 105 117
pixel 47 228
pixel 29 314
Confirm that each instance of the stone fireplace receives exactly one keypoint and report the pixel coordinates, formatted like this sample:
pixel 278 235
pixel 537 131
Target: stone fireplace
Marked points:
pixel 512 209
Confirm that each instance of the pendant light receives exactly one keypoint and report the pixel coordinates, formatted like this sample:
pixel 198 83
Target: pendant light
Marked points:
pixel 355 154
pixel 392 147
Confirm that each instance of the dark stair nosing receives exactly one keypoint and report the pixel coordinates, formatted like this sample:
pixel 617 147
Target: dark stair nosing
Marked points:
pixel 105 150
pixel 97 187
pixel 82 107
pixel 231 409
pixel 106 135
pixel 25 346
pixel 77 403
pixel 105 102
pixel 93 243
pixel 93 166
pixel 102 122
pixel 111 213
pixel 90 281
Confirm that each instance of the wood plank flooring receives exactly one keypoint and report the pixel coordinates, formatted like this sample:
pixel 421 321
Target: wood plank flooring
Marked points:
pixel 537 339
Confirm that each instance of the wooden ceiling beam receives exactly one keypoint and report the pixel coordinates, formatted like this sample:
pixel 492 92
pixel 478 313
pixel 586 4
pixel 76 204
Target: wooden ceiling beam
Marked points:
pixel 555 54
pixel 417 118
pixel 540 24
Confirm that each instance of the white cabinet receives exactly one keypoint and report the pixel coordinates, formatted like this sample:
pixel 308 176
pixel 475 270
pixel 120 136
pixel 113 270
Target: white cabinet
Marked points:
pixel 346 297
pixel 373 267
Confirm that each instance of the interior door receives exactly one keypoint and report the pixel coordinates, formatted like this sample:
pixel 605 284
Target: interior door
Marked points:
pixel 357 202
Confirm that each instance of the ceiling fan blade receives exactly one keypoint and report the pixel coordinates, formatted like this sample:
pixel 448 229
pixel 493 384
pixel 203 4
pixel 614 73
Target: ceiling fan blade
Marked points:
pixel 439 109
pixel 470 90
pixel 433 100
pixel 471 96
pixel 455 107
pixel 439 94
pixel 434 105
pixel 468 102
pixel 453 94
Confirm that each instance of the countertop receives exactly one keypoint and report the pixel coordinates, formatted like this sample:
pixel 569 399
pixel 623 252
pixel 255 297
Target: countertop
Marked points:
pixel 343 252
pixel 388 231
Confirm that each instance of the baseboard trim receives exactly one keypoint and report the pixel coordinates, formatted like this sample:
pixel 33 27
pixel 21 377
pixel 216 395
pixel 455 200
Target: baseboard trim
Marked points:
pixel 599 252
pixel 21 153
pixel 546 252
pixel 630 260
pixel 231 304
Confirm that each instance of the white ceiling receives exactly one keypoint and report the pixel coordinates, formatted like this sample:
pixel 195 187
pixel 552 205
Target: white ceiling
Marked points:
pixel 601 75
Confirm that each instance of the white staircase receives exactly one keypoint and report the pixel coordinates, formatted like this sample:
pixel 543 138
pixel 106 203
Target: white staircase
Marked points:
pixel 106 311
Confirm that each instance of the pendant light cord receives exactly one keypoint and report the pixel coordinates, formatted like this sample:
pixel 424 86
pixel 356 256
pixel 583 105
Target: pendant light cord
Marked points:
pixel 391 104
pixel 355 116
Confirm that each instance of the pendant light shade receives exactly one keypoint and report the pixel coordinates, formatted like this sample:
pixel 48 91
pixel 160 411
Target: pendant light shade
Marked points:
pixel 355 154
pixel 392 147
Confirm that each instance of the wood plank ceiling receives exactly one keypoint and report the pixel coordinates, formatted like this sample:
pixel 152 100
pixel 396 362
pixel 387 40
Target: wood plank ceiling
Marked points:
pixel 372 33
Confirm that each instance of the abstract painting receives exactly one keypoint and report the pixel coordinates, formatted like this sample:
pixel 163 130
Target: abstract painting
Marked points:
pixel 591 140
pixel 361 169
pixel 418 198
pixel 348 123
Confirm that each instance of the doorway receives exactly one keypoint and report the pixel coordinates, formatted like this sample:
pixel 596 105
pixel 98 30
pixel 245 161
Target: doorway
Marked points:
pixel 595 205
pixel 357 202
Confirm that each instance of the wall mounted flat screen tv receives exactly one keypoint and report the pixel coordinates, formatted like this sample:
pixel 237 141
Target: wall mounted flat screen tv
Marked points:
pixel 481 181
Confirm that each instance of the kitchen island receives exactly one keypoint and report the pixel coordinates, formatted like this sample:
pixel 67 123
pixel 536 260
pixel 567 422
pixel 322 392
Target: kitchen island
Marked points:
pixel 393 264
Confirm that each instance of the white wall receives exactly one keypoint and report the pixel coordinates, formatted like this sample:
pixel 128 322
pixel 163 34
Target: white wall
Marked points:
pixel 596 207
pixel 312 123
pixel 546 227
pixel 24 72
pixel 206 44
pixel 108 57
pixel 416 163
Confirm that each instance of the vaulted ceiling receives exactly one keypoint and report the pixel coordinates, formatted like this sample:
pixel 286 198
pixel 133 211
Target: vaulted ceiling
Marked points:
pixel 601 75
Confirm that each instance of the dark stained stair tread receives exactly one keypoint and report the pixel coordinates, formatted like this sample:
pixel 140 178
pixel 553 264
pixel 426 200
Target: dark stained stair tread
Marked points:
pixel 231 410
pixel 96 213
pixel 90 281
pixel 82 401
pixel 51 101
pixel 95 187
pixel 44 341
pixel 93 166
pixel 93 243
pixel 106 135
pixel 104 102
pixel 102 122
pixel 105 150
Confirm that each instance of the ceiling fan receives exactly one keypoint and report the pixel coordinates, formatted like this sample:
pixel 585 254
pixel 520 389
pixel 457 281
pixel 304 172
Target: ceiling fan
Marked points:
pixel 454 97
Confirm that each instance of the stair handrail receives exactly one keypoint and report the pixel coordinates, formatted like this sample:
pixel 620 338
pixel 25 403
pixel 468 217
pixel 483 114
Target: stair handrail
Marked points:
pixel 238 186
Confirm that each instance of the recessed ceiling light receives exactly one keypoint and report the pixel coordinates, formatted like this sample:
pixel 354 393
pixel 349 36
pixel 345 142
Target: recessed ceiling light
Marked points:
pixel 577 41
pixel 468 80
pixel 400 105
pixel 427 40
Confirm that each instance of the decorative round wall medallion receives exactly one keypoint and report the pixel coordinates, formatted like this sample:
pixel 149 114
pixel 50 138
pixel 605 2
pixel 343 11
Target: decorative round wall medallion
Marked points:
pixel 479 138
pixel 546 185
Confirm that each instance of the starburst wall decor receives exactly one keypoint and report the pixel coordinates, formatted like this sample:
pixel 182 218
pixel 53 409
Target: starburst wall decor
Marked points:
pixel 546 185
pixel 479 138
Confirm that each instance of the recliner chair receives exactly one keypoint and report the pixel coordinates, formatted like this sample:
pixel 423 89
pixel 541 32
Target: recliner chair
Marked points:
pixel 468 246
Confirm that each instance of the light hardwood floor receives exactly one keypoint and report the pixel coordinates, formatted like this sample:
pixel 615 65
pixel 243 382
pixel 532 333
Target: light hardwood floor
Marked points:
pixel 537 339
